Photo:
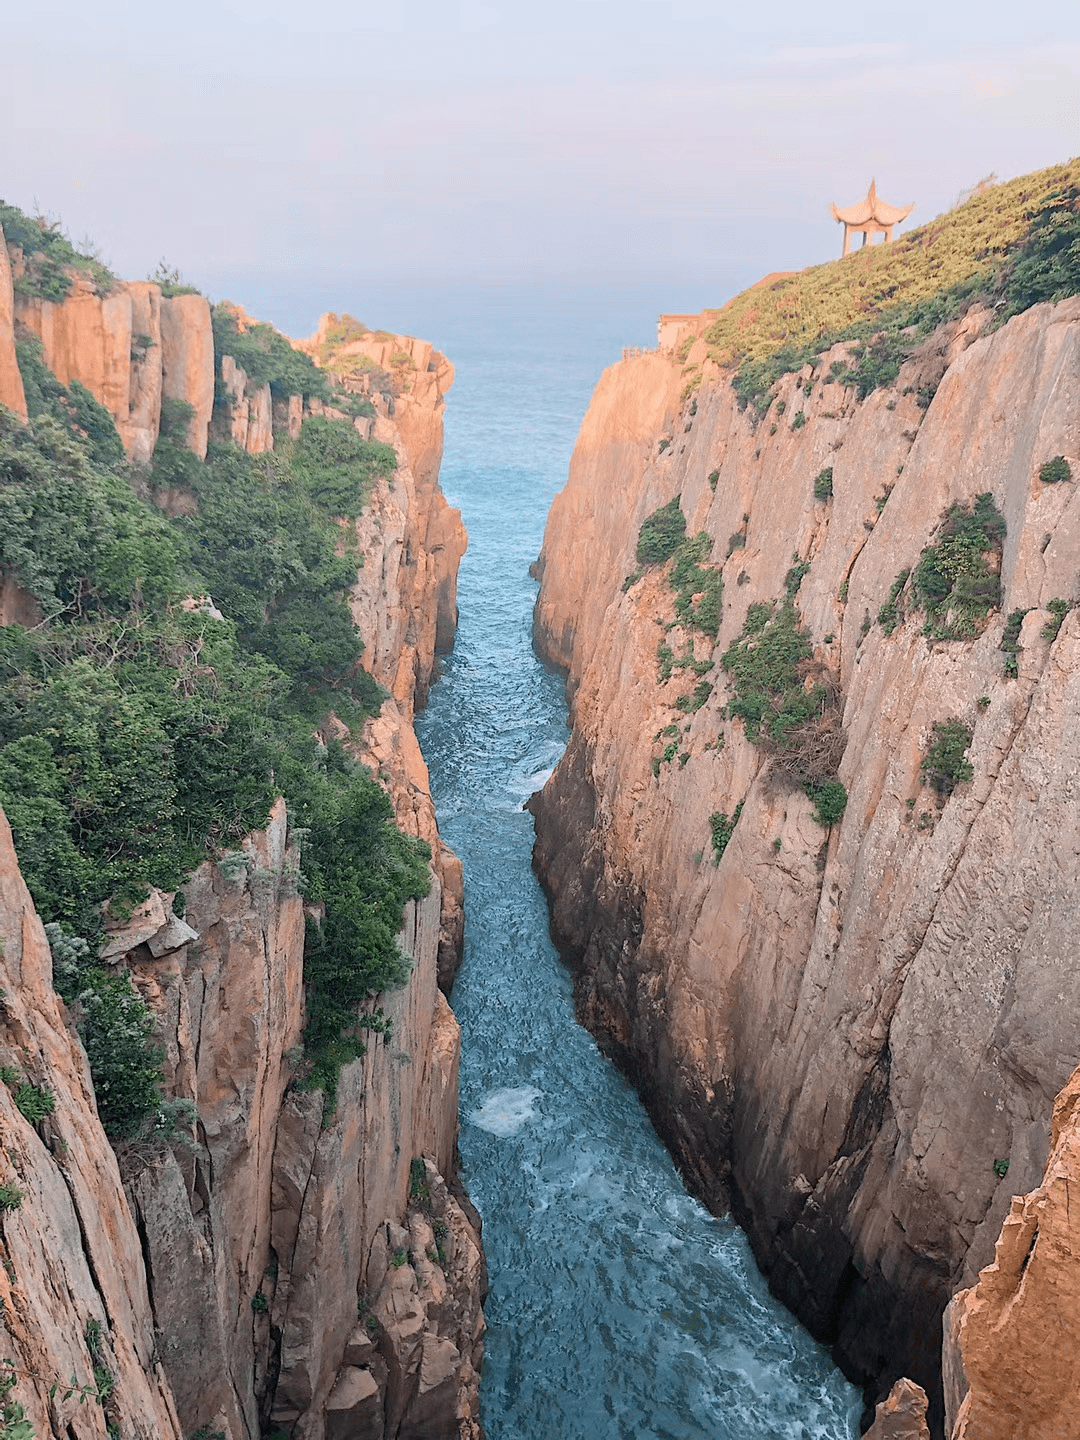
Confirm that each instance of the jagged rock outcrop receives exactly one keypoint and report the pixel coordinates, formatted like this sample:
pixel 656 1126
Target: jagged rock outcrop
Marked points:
pixel 839 1033
pixel 1011 1358
pixel 73 1283
pixel 250 417
pixel 901 1415
pixel 11 385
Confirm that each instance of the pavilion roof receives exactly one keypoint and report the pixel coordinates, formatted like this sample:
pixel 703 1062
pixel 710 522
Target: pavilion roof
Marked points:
pixel 872 208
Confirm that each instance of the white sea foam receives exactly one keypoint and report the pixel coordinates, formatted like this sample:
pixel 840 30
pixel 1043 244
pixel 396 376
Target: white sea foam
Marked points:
pixel 505 1111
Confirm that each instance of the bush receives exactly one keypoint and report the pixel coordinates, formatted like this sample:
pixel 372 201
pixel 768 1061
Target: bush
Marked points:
pixel 892 612
pixel 830 802
pixel 11 1196
pixel 1010 643
pixel 1055 471
pixel 952 580
pixel 723 827
pixel 34 1102
pixel 691 582
pixel 1058 610
pixel 783 707
pixel 823 484
pixel 661 534
pixel 944 765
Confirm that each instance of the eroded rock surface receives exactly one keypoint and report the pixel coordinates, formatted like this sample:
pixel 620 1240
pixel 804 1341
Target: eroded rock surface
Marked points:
pixel 840 1033
pixel 11 386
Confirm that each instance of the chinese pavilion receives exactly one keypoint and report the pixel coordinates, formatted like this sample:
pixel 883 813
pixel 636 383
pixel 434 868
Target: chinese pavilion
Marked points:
pixel 871 216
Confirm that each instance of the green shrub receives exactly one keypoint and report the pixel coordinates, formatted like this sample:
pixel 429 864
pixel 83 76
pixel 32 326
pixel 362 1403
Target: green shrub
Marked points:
pixel 75 409
pixel 661 534
pixel 11 1196
pixel 266 357
pixel 1010 643
pixel 1058 610
pixel 830 802
pixel 952 581
pixel 171 282
pixel 691 582
pixel 689 704
pixel 714 477
pixel 799 421
pixel 796 719
pixel 34 1102
pixel 944 766
pixel 1055 471
pixel 338 468
pixel 723 827
pixel 823 484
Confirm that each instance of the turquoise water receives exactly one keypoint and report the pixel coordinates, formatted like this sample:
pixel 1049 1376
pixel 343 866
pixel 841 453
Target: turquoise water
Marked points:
pixel 619 1308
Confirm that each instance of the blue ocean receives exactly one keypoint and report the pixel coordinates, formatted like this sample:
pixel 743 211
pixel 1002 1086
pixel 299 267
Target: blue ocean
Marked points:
pixel 620 1309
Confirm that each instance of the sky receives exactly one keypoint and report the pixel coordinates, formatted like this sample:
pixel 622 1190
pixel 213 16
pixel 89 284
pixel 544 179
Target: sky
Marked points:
pixel 293 153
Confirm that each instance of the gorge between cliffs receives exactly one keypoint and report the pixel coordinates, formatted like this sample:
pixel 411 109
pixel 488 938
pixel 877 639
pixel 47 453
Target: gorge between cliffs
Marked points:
pixel 804 862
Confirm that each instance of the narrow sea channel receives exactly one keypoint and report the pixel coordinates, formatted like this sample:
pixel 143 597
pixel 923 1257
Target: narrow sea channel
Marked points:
pixel 619 1308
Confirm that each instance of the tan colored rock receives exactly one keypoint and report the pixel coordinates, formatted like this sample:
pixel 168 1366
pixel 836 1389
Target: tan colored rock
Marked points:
pixel 71 1249
pixel 187 361
pixel 842 1032
pixel 17 606
pixel 11 386
pixel 1014 1333
pixel 901 1415
pixel 112 345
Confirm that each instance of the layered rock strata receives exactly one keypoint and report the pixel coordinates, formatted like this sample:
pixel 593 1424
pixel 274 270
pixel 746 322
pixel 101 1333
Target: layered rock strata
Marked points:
pixel 326 1279
pixel 843 1034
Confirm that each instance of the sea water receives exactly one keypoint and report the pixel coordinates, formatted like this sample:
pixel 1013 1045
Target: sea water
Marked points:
pixel 620 1308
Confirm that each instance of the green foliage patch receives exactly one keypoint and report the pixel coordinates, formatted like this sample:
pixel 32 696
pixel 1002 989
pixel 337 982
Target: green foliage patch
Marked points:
pixel 1055 471
pixel 699 593
pixel 337 468
pixel 787 704
pixel 48 256
pixel 823 484
pixel 1010 643
pixel 137 737
pixel 661 534
pixel 722 828
pixel 944 766
pixel 953 582
pixel 266 357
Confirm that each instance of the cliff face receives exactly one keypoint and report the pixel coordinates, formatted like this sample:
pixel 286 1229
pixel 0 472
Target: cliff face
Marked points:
pixel 840 1033
pixel 1010 1361
pixel 11 386
pixel 326 1279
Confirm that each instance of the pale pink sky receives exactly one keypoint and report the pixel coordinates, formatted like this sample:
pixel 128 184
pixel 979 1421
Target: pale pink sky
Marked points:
pixel 481 138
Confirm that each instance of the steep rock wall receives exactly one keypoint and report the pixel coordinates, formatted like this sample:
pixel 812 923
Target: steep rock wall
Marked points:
pixel 267 1266
pixel 11 386
pixel 838 1034
pixel 1010 1355
pixel 71 1250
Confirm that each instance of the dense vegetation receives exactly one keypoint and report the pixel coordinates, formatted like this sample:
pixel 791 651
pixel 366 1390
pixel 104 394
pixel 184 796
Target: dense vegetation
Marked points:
pixel 266 357
pixel 48 255
pixel 137 737
pixel 1010 247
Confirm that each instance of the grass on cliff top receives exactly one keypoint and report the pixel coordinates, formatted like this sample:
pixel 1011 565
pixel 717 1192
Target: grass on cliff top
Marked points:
pixel 1013 245
pixel 49 255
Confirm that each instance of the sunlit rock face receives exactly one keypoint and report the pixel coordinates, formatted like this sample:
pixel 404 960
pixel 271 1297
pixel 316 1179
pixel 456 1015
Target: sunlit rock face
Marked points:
pixel 841 1033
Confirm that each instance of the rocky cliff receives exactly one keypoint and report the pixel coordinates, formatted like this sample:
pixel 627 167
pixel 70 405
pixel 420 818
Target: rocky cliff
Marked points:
pixel 852 1035
pixel 321 1278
